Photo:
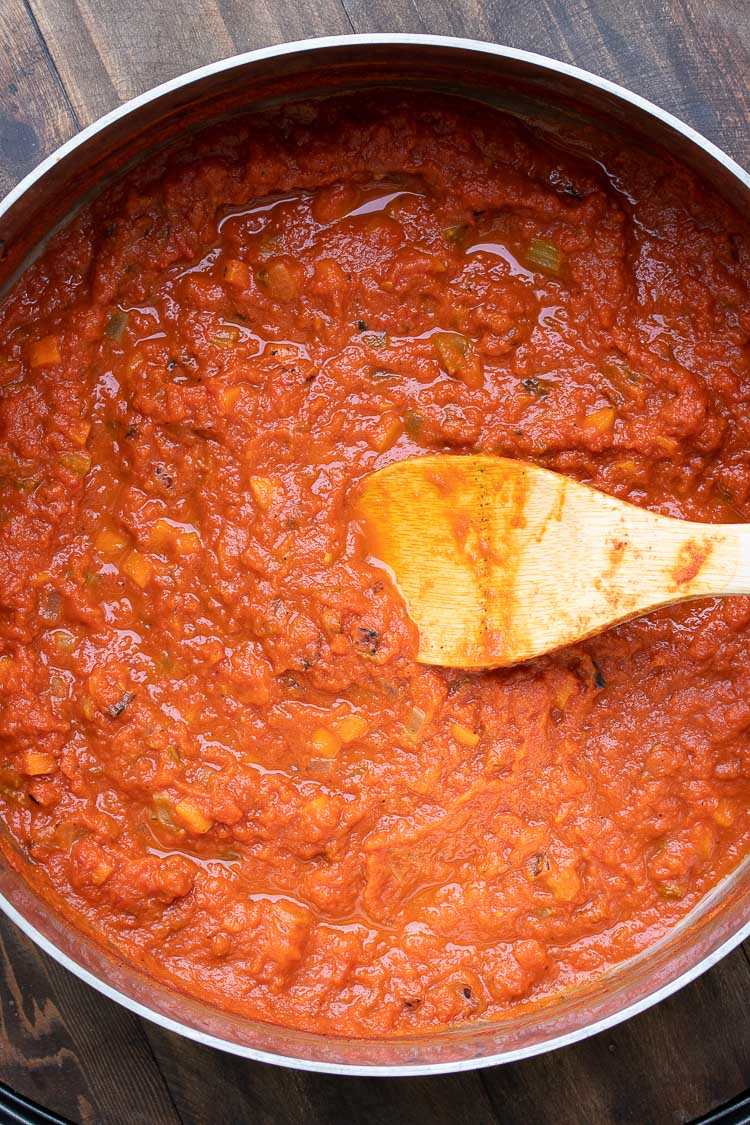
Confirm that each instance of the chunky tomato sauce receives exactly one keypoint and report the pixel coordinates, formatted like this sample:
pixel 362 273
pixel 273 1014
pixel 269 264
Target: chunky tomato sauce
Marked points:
pixel 217 752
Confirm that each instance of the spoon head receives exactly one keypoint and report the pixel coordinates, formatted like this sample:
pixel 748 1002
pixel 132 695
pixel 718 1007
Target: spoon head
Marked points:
pixel 447 529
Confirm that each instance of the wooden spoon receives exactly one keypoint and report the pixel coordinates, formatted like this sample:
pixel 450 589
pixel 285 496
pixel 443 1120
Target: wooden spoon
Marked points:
pixel 499 560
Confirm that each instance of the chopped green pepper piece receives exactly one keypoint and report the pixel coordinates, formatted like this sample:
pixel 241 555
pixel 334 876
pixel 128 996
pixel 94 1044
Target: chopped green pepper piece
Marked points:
pixel 545 256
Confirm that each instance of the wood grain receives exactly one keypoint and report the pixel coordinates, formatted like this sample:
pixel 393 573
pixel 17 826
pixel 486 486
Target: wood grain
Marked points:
pixel 62 64
pixel 669 1065
pixel 62 1045
pixel 688 55
pixel 35 113
pixel 224 1090
pixel 109 52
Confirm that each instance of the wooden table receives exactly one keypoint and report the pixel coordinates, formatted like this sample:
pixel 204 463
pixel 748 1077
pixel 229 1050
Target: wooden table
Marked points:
pixel 62 64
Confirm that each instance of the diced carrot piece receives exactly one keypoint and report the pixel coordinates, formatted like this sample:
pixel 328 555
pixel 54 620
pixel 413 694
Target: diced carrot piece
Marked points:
pixel 164 533
pixel 110 542
pixel 704 838
pixel 43 351
pixel 464 735
pixel 101 873
pixel 236 273
pixel 161 534
pixel 389 429
pixel 8 667
pixel 600 420
pixel 264 490
pixel 565 884
pixel 228 397
pixel 325 743
pixel 138 567
pixel 79 431
pixel 187 543
pixel 725 812
pixel 350 727
pixel 279 280
pixel 220 944
pixel 193 819
pixel 322 810
pixel 35 763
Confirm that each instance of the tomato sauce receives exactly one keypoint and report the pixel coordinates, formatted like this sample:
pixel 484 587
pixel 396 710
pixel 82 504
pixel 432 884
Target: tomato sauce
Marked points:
pixel 217 752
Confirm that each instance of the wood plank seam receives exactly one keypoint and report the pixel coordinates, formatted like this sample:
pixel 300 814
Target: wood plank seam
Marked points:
pixel 348 17
pixel 51 63
pixel 144 1027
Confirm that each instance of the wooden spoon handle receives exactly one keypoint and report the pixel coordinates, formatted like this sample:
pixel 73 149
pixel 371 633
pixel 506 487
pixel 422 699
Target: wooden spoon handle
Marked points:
pixel 660 560
pixel 631 560
pixel 732 547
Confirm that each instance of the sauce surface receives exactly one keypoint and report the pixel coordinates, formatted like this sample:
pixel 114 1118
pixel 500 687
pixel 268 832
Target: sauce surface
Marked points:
pixel 217 752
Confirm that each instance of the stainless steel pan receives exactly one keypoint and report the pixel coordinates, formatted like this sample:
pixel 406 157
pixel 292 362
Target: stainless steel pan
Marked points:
pixel 536 88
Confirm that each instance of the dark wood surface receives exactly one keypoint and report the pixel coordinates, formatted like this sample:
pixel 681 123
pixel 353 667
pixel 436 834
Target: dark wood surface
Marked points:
pixel 62 64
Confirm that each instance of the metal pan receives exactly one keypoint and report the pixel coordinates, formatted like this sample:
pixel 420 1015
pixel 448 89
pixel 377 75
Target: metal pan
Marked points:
pixel 536 88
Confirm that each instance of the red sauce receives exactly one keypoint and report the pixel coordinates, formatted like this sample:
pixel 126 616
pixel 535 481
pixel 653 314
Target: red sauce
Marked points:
pixel 217 752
